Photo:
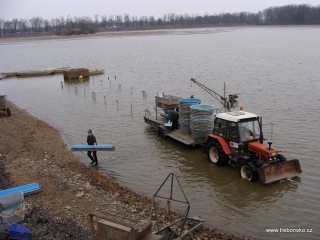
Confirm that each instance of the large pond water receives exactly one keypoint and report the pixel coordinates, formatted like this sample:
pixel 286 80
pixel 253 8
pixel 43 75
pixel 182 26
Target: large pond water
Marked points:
pixel 275 71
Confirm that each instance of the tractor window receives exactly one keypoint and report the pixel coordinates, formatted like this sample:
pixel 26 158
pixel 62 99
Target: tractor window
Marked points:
pixel 232 132
pixel 220 127
pixel 249 130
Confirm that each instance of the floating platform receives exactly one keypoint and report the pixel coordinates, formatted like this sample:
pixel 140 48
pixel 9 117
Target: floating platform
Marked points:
pixel 45 72
pixel 78 73
pixel 99 147
pixel 179 135
pixel 153 122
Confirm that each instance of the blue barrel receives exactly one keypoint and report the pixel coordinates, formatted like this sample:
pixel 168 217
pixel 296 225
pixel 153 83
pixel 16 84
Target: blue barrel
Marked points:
pixel 184 112
pixel 201 120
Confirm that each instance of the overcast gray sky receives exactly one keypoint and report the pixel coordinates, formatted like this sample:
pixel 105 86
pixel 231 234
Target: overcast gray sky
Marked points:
pixel 48 9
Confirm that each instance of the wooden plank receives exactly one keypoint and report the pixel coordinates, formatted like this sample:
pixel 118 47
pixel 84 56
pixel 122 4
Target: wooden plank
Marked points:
pixel 99 147
pixel 115 225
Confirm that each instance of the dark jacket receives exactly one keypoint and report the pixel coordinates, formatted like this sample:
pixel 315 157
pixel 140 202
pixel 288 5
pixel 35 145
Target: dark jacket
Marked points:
pixel 91 140
pixel 173 115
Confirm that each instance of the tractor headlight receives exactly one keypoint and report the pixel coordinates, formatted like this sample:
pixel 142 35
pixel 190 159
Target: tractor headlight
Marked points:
pixel 272 159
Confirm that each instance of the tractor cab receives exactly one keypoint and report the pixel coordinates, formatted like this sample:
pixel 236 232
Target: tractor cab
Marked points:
pixel 237 128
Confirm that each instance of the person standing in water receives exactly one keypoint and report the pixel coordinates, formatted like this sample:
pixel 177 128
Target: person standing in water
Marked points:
pixel 91 140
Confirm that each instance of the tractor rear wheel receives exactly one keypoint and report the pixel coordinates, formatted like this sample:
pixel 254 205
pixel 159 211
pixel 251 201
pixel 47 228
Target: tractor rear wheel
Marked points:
pixel 248 171
pixel 216 154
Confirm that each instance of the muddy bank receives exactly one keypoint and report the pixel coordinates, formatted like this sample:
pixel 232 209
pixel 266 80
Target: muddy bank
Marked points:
pixel 33 151
pixel 98 34
pixel 122 33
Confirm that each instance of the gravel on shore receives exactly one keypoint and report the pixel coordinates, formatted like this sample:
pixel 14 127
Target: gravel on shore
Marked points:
pixel 33 151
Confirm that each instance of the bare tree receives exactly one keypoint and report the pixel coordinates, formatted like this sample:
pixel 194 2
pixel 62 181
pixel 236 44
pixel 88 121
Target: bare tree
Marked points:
pixel 290 14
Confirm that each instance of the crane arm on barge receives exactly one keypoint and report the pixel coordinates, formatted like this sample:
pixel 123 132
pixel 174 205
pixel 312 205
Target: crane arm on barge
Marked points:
pixel 227 103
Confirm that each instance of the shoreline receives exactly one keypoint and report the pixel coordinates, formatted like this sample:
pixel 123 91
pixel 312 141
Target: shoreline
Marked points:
pixel 33 151
pixel 98 34
pixel 132 33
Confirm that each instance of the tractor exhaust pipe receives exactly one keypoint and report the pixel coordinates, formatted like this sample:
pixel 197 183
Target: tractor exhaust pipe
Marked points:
pixel 261 133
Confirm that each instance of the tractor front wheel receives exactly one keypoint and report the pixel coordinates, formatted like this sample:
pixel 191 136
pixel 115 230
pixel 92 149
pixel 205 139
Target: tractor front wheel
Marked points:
pixel 249 172
pixel 8 112
pixel 216 154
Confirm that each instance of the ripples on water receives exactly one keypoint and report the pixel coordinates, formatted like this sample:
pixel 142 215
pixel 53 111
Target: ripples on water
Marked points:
pixel 275 71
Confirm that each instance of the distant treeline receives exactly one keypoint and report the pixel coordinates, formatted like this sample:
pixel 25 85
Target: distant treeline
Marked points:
pixel 285 15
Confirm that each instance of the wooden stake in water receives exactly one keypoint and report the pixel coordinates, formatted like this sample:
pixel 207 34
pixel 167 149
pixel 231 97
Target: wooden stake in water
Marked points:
pixel 117 104
pixel 104 97
pixel 61 85
pixel 119 87
pixel 94 97
pixel 144 94
pixel 131 109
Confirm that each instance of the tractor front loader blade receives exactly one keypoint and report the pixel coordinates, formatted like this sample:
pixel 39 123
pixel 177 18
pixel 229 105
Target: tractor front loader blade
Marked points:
pixel 280 170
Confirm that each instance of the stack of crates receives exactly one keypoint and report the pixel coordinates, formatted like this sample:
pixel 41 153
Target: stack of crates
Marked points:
pixel 11 201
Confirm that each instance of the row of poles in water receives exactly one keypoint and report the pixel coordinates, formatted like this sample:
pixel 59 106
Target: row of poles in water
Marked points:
pixel 94 96
pixel 144 93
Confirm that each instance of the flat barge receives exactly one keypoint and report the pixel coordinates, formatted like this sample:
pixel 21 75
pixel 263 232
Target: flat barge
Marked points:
pixel 183 133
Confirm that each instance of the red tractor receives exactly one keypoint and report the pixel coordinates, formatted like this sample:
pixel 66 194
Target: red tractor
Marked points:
pixel 237 140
